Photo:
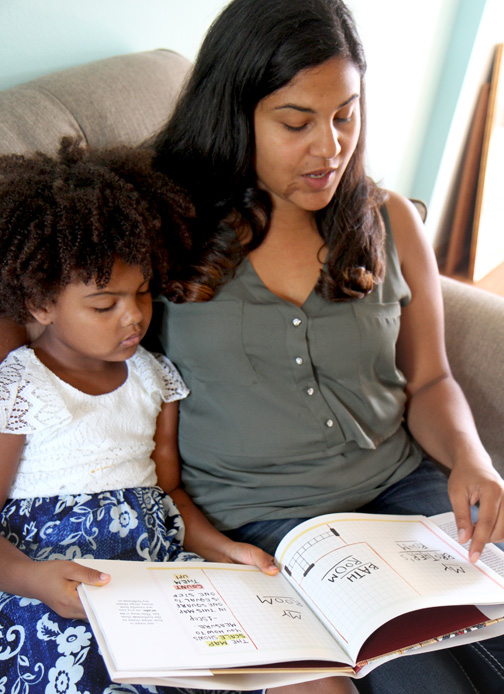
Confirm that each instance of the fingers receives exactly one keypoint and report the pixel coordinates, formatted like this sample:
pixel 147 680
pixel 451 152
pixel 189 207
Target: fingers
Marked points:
pixel 466 490
pixel 489 527
pixel 465 528
pixel 244 553
pixel 266 563
pixel 461 505
pixel 55 583
pixel 91 577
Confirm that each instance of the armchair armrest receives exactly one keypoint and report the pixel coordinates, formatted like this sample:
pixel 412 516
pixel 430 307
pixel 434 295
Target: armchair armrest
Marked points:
pixel 474 327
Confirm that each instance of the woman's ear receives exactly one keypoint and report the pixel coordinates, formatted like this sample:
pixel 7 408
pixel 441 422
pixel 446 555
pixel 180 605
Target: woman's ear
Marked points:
pixel 42 314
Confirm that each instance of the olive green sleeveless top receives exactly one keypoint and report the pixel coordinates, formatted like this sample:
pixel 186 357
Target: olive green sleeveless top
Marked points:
pixel 293 412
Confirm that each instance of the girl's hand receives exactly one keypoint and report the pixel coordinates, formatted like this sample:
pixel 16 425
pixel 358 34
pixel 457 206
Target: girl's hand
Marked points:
pixel 55 584
pixel 243 553
pixel 468 484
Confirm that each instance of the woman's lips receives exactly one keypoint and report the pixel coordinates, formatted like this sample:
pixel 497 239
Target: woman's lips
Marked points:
pixel 318 180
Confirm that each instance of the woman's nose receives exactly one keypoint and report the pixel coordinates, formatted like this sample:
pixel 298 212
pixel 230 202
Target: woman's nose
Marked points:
pixel 326 142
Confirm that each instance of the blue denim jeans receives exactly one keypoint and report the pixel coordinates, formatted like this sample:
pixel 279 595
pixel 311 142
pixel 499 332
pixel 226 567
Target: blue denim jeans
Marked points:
pixel 467 669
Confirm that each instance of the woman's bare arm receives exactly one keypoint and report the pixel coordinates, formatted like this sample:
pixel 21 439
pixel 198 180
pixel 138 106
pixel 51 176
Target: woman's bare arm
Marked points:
pixel 438 414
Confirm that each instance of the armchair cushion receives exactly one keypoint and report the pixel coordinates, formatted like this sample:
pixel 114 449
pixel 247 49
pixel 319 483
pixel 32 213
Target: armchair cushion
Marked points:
pixel 124 99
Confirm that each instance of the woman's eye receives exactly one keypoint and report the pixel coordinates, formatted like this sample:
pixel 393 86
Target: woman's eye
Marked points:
pixel 344 116
pixel 294 128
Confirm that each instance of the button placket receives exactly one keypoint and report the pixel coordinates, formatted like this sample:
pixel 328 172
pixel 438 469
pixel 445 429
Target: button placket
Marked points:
pixel 304 375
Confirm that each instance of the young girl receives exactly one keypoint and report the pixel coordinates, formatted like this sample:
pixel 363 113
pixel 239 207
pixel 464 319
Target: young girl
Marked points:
pixel 88 418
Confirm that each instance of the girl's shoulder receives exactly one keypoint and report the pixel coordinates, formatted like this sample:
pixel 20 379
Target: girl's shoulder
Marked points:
pixel 17 367
pixel 157 372
pixel 28 398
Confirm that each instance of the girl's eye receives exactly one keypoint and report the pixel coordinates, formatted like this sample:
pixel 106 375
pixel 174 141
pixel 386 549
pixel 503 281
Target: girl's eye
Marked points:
pixel 103 310
pixel 144 289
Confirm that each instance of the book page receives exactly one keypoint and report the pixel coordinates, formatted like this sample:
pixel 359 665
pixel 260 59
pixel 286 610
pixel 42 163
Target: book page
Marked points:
pixel 200 678
pixel 359 571
pixel 160 616
pixel 491 556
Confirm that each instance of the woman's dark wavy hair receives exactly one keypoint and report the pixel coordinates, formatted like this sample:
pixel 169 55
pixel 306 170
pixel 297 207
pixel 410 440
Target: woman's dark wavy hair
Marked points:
pixel 69 217
pixel 252 49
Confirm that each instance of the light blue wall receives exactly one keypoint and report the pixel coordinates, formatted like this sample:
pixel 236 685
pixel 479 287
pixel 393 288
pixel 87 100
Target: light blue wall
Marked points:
pixel 40 36
pixel 456 59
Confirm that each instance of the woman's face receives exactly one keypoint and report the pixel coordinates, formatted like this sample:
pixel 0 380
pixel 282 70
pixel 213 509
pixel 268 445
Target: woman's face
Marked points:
pixel 305 134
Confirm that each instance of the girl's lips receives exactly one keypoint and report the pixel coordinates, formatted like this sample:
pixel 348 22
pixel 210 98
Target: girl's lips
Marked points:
pixel 132 340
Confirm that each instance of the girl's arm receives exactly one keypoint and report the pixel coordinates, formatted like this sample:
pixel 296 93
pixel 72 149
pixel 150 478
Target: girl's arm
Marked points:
pixel 438 414
pixel 200 535
pixel 53 582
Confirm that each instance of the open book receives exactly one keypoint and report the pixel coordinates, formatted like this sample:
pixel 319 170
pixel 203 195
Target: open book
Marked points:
pixel 354 591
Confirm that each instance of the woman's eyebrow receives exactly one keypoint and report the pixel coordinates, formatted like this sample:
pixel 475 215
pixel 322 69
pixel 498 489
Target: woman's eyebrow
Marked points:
pixel 304 109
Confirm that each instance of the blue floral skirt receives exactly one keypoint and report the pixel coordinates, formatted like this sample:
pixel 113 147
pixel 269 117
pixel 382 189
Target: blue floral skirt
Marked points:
pixel 41 652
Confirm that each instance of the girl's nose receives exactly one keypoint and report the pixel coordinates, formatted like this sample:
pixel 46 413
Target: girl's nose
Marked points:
pixel 133 313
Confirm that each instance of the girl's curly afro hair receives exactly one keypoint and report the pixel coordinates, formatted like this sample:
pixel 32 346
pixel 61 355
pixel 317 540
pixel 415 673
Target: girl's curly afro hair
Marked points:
pixel 69 217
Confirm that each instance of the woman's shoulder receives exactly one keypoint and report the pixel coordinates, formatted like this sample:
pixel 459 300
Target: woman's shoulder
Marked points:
pixel 401 209
pixel 406 225
pixel 414 249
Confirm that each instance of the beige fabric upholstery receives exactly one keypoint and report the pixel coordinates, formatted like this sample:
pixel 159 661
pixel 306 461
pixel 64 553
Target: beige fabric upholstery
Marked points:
pixel 127 98
pixel 475 343
pixel 121 99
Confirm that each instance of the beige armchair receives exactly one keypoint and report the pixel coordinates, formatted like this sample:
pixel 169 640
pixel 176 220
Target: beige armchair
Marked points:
pixel 127 98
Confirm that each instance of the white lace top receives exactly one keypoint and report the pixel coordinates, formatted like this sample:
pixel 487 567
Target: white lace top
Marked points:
pixel 77 442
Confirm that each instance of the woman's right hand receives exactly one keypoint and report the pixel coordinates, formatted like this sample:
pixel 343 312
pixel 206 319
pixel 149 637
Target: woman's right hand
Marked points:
pixel 54 582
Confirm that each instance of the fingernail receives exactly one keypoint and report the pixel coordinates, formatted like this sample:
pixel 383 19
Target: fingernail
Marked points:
pixel 474 556
pixel 461 535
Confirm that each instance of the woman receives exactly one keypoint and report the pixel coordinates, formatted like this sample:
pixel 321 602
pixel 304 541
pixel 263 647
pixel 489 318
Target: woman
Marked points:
pixel 307 315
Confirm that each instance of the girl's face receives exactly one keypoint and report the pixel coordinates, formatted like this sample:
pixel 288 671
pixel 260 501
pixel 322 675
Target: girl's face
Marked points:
pixel 305 134
pixel 89 324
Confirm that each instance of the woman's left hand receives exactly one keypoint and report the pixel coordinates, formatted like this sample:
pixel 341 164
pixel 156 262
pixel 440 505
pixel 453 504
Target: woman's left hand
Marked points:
pixel 470 483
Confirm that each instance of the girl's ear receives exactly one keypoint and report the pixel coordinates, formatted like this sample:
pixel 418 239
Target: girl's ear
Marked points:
pixel 42 314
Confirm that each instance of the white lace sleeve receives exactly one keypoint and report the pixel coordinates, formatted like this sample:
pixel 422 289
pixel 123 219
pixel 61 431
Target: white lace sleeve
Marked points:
pixel 28 403
pixel 163 374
